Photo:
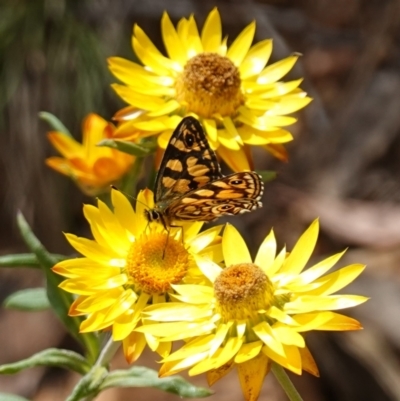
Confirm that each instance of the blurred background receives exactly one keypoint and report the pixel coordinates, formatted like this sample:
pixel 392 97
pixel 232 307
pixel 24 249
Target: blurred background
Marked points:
pixel 344 166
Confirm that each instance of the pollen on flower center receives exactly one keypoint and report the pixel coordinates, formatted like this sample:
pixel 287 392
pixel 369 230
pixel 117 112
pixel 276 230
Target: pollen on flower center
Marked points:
pixel 210 84
pixel 156 261
pixel 242 290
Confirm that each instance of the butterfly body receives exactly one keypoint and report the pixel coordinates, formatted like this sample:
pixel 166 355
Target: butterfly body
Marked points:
pixel 190 185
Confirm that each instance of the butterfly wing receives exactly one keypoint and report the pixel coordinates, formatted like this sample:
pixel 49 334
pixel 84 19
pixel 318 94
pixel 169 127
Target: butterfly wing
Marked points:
pixel 189 163
pixel 234 194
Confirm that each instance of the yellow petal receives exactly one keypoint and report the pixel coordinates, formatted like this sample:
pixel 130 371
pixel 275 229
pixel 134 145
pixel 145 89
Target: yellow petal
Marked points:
pixel 302 251
pixel 224 355
pixel 340 322
pixel 234 247
pixel 167 108
pixel 288 336
pixel 235 159
pixel 195 294
pixel 266 253
pixel 276 71
pixel 210 269
pixel 134 345
pixel 210 127
pixel 311 321
pixel 320 268
pixel 308 303
pixel 256 59
pixel 335 281
pixel 136 99
pixel 193 41
pixel 172 42
pixel 66 145
pixel 281 316
pixel 265 333
pixel 308 362
pixel 241 45
pixel 124 213
pixel 212 32
pixel 291 359
pixel 251 376
pixel 248 351
pixel 288 104
pixel 123 326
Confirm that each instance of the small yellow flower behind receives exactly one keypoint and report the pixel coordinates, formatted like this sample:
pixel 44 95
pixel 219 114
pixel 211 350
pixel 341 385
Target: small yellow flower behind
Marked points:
pixel 129 264
pixel 238 98
pixel 255 312
pixel 92 167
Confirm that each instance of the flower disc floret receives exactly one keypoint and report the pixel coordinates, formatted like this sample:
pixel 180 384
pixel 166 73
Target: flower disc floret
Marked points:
pixel 241 291
pixel 155 261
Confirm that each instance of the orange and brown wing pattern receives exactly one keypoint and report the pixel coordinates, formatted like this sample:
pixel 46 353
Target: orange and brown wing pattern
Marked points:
pixel 234 194
pixel 189 163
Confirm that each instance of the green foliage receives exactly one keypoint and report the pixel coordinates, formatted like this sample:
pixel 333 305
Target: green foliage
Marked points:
pixel 131 148
pixel 50 357
pixel 33 299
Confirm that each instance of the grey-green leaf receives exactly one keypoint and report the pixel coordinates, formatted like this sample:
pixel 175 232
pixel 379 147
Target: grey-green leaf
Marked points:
pixel 24 260
pixel 129 147
pixel 50 357
pixel 267 175
pixel 32 299
pixel 54 122
pixel 11 397
pixel 139 376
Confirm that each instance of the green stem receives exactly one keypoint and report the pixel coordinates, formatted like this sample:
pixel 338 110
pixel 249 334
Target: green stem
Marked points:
pixel 285 382
pixel 108 352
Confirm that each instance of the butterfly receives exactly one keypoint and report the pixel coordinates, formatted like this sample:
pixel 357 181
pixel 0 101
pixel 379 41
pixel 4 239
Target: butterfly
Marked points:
pixel 190 186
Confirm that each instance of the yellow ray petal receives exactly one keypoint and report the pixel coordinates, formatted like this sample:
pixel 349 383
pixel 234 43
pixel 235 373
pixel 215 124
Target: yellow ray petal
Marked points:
pixel 248 351
pixel 276 71
pixel 66 145
pixel 291 359
pixel 320 268
pixel 288 336
pixel 265 333
pixel 241 45
pixel 251 376
pixel 308 303
pixel 210 269
pixel 172 42
pixel 339 279
pixel 266 253
pixel 134 345
pixel 212 32
pixel 302 251
pixel 236 159
pixel 308 362
pixel 234 247
pixel 256 59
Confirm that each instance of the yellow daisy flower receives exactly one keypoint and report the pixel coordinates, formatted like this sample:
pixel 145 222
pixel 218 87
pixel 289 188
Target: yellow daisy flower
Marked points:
pixel 239 100
pixel 255 312
pixel 92 167
pixel 129 264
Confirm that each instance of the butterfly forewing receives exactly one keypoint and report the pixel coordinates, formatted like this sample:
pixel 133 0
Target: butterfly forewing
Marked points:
pixel 190 186
pixel 188 163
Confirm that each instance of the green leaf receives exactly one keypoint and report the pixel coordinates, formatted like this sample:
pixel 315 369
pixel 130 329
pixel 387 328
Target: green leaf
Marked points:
pixel 267 175
pixel 129 147
pixel 25 260
pixel 61 358
pixel 139 376
pixel 11 397
pixel 59 299
pixel 54 122
pixel 33 299
pixel 89 385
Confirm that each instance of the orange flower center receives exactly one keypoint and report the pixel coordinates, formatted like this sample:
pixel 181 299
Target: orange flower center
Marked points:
pixel 155 261
pixel 242 291
pixel 210 84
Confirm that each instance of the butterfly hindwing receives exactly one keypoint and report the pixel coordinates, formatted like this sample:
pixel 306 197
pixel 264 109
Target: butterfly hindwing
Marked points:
pixel 188 163
pixel 234 194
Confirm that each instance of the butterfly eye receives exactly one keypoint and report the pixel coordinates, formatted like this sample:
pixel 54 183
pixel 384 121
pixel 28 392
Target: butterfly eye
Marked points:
pixel 189 140
pixel 237 182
